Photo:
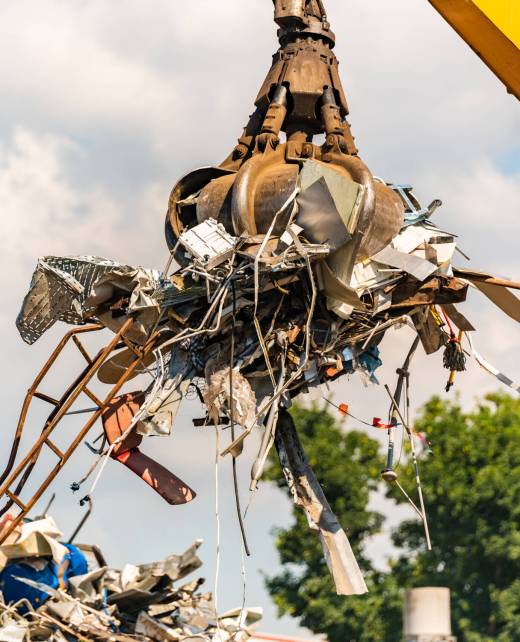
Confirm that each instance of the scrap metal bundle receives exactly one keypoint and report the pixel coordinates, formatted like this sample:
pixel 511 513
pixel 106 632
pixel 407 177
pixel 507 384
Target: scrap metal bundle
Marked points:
pixel 288 263
pixel 57 592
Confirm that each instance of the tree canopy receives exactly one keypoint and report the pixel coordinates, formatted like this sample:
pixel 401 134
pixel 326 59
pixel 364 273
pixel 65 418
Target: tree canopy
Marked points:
pixel 471 483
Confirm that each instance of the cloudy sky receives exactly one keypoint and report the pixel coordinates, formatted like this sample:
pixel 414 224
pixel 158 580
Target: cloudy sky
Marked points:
pixel 106 104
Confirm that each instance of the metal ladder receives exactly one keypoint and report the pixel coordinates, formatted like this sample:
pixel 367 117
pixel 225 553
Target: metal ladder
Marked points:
pixel 60 409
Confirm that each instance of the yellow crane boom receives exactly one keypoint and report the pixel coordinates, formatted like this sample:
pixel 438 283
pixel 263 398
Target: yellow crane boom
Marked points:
pixel 492 29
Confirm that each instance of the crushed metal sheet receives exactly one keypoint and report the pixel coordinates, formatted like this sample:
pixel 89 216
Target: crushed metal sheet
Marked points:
pixel 417 267
pixel 12 631
pixel 242 401
pixel 429 331
pixel 501 297
pixel 336 290
pixel 61 287
pixel 345 195
pixel 458 318
pixel 308 494
pixel 438 290
pixel 132 290
pixel 319 218
pixel 33 539
pixel 164 397
pixel 58 290
pixel 138 601
pixel 488 367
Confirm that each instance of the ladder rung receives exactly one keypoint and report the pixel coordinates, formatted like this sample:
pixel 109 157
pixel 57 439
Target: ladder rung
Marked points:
pixel 54 449
pixel 16 500
pixel 93 397
pixel 131 347
pixel 80 347
pixel 43 397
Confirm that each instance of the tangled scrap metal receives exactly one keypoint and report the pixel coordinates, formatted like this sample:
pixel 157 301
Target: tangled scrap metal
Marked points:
pixel 288 264
pixel 56 592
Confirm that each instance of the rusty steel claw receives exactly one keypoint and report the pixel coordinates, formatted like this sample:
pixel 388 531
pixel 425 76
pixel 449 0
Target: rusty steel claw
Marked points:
pixel 302 96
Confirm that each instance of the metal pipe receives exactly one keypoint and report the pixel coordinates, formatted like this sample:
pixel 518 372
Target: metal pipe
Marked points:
pixel 49 504
pixel 388 473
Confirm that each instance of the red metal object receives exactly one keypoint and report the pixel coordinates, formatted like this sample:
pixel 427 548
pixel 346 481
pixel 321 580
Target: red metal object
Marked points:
pixel 169 486
pixel 117 418
pixel 377 424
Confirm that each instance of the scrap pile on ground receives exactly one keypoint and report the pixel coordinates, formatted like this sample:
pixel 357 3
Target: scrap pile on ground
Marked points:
pixel 56 592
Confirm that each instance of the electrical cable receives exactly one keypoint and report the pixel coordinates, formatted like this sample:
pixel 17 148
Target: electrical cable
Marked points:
pixel 232 420
pixel 106 457
pixel 348 414
pixel 416 470
pixel 217 525
pixel 292 198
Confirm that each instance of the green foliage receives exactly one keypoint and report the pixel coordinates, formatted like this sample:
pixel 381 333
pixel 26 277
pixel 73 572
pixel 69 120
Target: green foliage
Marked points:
pixel 472 488
pixel 348 464
pixel 472 485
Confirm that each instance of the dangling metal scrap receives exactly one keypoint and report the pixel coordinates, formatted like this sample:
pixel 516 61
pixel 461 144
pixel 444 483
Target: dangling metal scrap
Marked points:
pixel 291 260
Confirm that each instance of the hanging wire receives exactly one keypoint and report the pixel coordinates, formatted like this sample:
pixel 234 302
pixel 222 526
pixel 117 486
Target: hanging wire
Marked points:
pixel 303 364
pixel 292 198
pixel 106 457
pixel 82 522
pixel 347 413
pixel 75 486
pixel 416 470
pixel 243 573
pixel 232 420
pixel 217 525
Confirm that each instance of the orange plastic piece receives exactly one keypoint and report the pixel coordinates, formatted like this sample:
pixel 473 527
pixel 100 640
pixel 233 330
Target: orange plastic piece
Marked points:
pixel 332 371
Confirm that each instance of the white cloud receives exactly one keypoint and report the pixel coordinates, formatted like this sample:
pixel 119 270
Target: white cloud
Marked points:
pixel 36 196
pixel 52 54
pixel 481 205
pixel 419 97
pixel 186 76
pixel 45 212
